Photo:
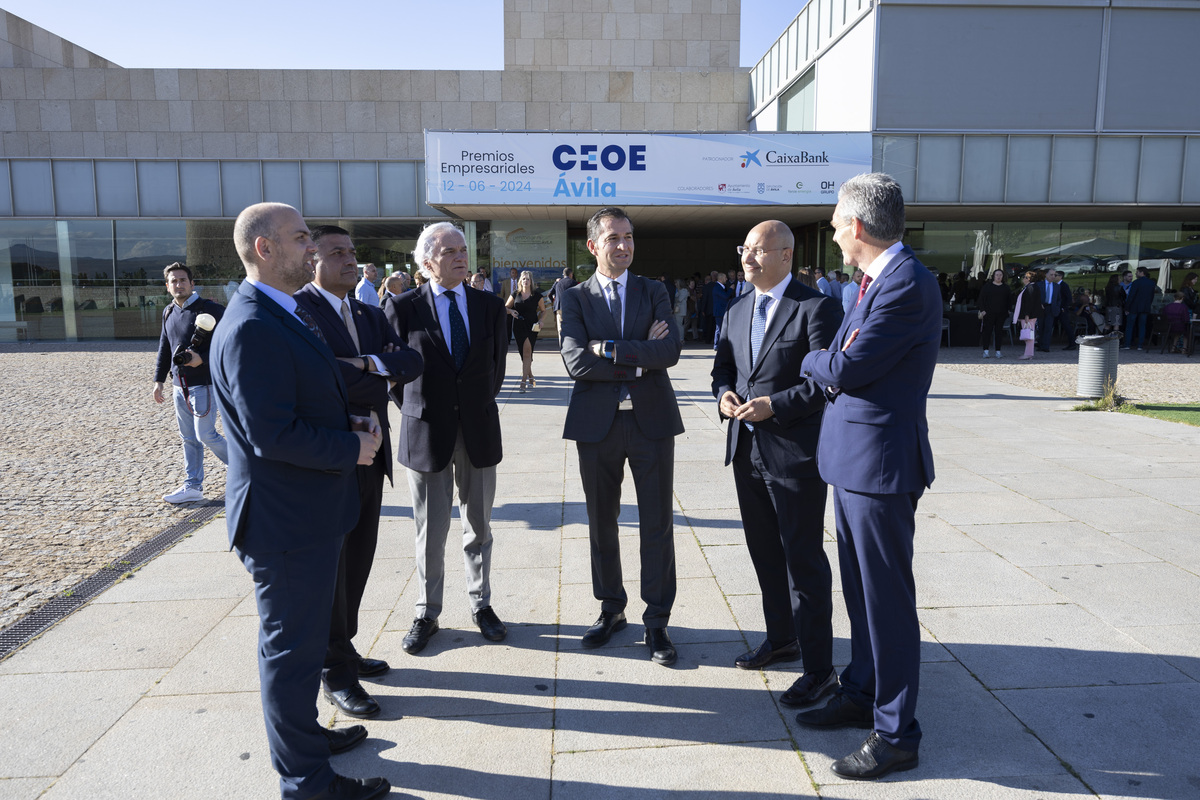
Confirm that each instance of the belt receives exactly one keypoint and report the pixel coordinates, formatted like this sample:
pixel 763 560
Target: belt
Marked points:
pixel 625 405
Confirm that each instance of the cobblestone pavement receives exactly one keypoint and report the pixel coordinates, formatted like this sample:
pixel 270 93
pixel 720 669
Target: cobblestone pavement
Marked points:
pixel 85 458
pixel 86 455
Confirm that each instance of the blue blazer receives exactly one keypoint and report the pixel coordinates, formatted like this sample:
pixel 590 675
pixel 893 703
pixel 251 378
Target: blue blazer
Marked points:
pixel 290 481
pixel 875 436
pixel 367 391
pixel 805 320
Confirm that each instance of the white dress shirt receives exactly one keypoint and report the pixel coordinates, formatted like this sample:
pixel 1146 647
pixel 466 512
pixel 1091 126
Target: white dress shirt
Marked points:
pixel 443 310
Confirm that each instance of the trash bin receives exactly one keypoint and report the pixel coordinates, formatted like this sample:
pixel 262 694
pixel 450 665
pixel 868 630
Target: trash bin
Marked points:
pixel 1097 364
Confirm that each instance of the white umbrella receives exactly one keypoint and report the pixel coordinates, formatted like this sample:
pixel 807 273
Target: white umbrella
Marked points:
pixel 1164 275
pixel 981 248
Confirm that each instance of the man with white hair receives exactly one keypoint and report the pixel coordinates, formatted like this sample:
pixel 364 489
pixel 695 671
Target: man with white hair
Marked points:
pixel 450 424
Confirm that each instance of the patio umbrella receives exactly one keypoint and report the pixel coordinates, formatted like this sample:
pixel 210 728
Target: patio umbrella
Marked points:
pixel 1185 252
pixel 981 250
pixel 1164 275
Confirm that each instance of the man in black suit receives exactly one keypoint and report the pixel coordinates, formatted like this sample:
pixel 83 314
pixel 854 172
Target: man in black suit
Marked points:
pixel 290 494
pixel 1066 311
pixel 371 357
pixel 618 340
pixel 450 425
pixel 556 294
pixel 1052 305
pixel 775 418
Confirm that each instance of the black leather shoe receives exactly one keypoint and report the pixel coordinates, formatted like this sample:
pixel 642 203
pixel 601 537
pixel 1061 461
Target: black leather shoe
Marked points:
pixel 370 667
pixel 661 649
pixel 767 655
pixel 343 788
pixel 809 688
pixel 343 739
pixel 874 759
pixel 1071 347
pixel 418 635
pixel 839 712
pixel 602 630
pixel 353 701
pixel 490 625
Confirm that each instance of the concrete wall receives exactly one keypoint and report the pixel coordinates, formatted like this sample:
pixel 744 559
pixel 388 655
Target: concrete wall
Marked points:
pixel 23 44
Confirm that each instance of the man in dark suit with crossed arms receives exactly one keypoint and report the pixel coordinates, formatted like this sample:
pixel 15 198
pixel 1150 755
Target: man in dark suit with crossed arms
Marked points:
pixel 450 425
pixel 617 343
pixel 775 417
pixel 371 356
pixel 291 491
pixel 874 451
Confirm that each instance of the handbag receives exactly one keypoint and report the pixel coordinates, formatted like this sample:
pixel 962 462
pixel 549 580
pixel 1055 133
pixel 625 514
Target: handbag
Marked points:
pixel 1026 334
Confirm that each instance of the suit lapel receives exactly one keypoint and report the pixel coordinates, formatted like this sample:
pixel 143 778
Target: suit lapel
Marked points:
pixel 296 326
pixel 599 310
pixel 779 320
pixel 429 320
pixel 854 318
pixel 635 299
pixel 331 323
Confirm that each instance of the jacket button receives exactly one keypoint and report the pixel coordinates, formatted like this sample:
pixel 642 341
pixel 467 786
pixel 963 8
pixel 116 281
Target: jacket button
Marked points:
pixel 456 408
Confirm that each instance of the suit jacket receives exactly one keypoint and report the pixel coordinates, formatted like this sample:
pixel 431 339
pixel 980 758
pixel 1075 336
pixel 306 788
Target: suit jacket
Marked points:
pixel 559 289
pixel 1056 303
pixel 291 480
pixel 367 391
pixel 506 289
pixel 441 401
pixel 804 320
pixel 875 436
pixel 1141 296
pixel 598 380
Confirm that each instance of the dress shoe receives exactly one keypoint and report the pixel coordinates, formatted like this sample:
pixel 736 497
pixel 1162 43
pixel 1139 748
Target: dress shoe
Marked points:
pixel 343 788
pixel 370 667
pixel 353 701
pixel 874 759
pixel 343 739
pixel 602 630
pixel 661 649
pixel 489 624
pixel 809 688
pixel 766 655
pixel 839 712
pixel 418 635
pixel 1071 347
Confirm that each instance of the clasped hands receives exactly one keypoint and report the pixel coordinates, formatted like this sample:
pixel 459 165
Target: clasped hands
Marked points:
pixel 755 410
pixel 370 437
pixel 658 330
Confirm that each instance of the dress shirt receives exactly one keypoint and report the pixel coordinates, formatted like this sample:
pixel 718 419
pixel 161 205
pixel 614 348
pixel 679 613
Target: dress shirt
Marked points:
pixel 623 282
pixel 443 310
pixel 285 300
pixel 367 293
pixel 881 261
pixel 336 303
pixel 776 293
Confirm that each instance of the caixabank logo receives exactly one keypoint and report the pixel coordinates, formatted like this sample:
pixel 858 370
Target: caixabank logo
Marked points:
pixel 594 158
pixel 774 158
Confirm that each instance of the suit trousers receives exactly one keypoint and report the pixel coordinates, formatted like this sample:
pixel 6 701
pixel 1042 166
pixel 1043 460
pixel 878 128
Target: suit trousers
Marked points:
pixel 784 523
pixel 432 497
pixel 601 469
pixel 875 551
pixel 354 568
pixel 294 590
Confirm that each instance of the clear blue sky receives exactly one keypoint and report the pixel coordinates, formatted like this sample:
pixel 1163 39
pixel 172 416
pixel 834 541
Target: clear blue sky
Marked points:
pixel 305 34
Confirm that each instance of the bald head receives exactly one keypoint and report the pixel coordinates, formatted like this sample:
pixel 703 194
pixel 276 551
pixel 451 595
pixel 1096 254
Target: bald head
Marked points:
pixel 767 254
pixel 776 232
pixel 260 219
pixel 275 246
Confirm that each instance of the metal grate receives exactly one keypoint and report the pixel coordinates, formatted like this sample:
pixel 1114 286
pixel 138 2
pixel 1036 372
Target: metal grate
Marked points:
pixel 49 613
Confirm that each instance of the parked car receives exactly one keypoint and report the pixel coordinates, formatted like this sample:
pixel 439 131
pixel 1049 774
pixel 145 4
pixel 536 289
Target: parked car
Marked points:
pixel 1068 264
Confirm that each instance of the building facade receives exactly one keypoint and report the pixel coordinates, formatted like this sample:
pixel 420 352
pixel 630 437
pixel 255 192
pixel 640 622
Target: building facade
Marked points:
pixel 1015 129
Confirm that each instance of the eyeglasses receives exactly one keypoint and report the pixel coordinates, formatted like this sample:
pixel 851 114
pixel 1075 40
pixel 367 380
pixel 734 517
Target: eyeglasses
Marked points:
pixel 757 252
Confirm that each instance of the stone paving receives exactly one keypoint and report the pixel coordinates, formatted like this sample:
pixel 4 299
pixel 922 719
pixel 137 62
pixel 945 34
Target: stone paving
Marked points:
pixel 1057 575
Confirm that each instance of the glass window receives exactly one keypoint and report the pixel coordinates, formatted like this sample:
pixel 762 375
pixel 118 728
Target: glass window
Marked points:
pixel 74 189
pixel 6 209
pixel 398 189
pixel 116 189
pixel 158 188
pixel 200 188
pixel 798 104
pixel 360 189
pixel 241 186
pixel 33 189
pixel 321 189
pixel 281 182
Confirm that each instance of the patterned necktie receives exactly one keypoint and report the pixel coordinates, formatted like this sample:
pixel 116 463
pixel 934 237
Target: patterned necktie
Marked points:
pixel 614 305
pixel 458 333
pixel 308 320
pixel 866 281
pixel 758 327
pixel 350 326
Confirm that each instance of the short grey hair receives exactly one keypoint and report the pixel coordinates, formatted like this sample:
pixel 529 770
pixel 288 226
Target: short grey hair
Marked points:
pixel 423 251
pixel 875 200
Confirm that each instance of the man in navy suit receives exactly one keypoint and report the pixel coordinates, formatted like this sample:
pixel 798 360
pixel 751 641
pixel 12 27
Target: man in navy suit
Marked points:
pixel 450 424
pixel 874 451
pixel 775 417
pixel 1051 294
pixel 618 339
pixel 371 358
pixel 291 491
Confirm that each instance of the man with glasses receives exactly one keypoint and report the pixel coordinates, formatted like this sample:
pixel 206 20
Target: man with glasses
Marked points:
pixel 774 418
pixel 618 340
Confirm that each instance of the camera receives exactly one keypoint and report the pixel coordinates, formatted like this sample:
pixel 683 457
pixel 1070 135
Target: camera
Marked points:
pixel 200 337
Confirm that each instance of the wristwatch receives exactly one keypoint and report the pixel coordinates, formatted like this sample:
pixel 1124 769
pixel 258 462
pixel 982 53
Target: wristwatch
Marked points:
pixel 608 348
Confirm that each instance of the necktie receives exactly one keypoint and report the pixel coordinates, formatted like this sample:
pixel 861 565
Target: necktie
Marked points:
pixel 614 305
pixel 866 281
pixel 308 320
pixel 349 320
pixel 458 333
pixel 758 326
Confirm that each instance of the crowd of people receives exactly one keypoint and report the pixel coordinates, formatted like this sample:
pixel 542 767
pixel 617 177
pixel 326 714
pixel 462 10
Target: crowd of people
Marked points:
pixel 308 357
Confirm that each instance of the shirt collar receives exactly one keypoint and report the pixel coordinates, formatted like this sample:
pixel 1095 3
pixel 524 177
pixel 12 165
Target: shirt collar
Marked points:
pixel 883 259
pixel 193 297
pixel 622 281
pixel 285 300
pixel 333 299
pixel 775 291
pixel 439 290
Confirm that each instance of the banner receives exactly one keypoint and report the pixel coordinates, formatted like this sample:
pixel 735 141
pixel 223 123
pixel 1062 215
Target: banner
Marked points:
pixel 647 169
pixel 539 246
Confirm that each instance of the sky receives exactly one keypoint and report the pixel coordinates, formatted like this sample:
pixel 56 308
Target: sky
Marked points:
pixel 307 34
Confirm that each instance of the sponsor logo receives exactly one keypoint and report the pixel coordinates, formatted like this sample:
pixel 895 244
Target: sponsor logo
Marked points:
pixel 750 157
pixel 777 159
pixel 591 157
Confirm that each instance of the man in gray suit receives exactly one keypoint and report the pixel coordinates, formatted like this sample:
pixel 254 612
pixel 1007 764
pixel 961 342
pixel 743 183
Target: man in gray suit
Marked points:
pixel 618 340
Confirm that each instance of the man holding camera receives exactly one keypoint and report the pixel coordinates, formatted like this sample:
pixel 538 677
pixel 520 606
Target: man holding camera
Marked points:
pixel 183 351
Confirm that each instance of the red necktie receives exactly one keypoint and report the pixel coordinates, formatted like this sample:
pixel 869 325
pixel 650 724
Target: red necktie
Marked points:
pixel 866 281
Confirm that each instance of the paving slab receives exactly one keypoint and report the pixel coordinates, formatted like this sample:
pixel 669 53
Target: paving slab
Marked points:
pixel 1043 544
pixel 23 788
pixel 1128 594
pixel 975 579
pixel 1018 787
pixel 1178 645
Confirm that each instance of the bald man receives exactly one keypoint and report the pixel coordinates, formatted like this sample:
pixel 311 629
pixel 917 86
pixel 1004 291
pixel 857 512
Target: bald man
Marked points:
pixel 293 441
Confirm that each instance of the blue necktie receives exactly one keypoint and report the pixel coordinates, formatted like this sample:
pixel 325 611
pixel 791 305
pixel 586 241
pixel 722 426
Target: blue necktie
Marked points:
pixel 758 327
pixel 458 334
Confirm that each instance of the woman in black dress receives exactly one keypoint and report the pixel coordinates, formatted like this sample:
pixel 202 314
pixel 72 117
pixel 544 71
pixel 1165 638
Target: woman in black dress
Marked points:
pixel 526 307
